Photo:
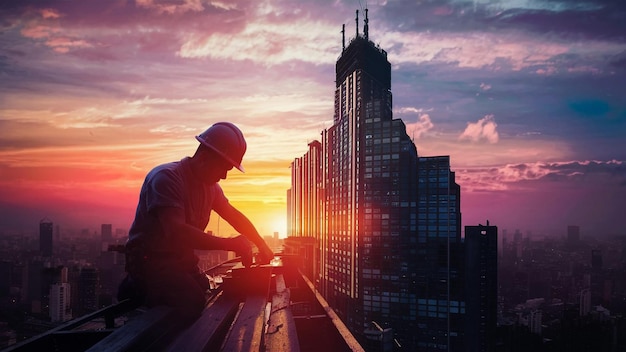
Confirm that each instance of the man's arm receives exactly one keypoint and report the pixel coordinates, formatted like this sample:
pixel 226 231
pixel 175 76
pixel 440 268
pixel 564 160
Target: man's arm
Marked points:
pixel 172 220
pixel 245 227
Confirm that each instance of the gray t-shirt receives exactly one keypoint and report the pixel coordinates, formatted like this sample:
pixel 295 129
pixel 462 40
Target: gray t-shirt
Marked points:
pixel 173 185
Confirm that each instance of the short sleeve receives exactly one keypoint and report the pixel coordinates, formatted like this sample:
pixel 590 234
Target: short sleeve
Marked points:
pixel 219 199
pixel 165 189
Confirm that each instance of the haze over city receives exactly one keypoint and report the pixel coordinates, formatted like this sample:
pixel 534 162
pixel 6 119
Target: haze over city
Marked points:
pixel 526 97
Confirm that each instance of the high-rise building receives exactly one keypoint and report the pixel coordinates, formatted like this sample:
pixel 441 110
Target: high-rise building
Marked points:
pixel 481 287
pixel 45 237
pixel 534 321
pixel 48 276
pixel 439 262
pixel 87 293
pixel 386 222
pixel 60 302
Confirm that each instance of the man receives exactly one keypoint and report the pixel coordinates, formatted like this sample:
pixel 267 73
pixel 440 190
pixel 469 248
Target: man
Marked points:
pixel 174 207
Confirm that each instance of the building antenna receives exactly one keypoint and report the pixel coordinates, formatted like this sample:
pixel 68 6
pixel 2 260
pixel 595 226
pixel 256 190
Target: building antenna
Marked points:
pixel 357 23
pixel 366 27
pixel 343 37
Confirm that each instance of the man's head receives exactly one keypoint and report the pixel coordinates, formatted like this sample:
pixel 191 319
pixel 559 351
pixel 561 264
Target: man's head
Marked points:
pixel 221 148
pixel 227 141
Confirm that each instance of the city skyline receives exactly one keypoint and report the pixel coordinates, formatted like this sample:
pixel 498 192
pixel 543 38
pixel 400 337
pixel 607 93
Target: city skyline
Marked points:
pixel 525 97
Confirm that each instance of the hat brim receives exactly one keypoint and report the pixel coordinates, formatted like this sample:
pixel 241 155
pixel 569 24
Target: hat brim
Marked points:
pixel 236 165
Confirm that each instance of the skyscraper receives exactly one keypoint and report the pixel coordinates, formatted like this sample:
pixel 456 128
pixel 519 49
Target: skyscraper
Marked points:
pixel 438 266
pixel 481 286
pixel 87 298
pixel 60 302
pixel 45 237
pixel 386 222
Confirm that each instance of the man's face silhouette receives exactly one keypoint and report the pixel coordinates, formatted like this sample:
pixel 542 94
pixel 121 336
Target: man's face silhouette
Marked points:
pixel 215 168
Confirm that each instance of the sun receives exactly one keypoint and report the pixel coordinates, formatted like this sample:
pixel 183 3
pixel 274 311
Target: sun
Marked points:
pixel 279 224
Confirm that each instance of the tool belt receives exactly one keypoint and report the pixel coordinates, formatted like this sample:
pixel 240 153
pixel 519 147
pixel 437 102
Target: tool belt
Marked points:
pixel 146 268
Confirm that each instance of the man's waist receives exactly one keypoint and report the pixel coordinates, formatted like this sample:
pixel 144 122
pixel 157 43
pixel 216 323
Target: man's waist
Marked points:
pixel 138 252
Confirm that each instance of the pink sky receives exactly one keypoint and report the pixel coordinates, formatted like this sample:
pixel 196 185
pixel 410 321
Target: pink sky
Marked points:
pixel 93 94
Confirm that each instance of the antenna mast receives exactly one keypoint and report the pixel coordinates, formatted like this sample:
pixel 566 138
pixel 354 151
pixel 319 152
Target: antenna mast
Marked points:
pixel 366 27
pixel 357 23
pixel 343 37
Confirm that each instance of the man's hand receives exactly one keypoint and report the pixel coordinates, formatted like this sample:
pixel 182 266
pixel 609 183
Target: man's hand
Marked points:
pixel 243 247
pixel 243 225
pixel 265 255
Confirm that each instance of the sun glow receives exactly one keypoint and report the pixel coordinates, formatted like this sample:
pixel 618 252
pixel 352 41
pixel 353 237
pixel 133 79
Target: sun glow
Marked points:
pixel 279 224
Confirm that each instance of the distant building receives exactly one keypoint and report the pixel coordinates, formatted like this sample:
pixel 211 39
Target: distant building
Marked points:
pixel 31 284
pixel 534 322
pixel 386 223
pixel 584 302
pixel 88 290
pixel 45 237
pixel 518 246
pixel 6 278
pixel 60 302
pixel 111 271
pixel 36 282
pixel 106 232
pixel 573 234
pixel 481 287
pixel 120 233
pixel 49 276
pixel 596 260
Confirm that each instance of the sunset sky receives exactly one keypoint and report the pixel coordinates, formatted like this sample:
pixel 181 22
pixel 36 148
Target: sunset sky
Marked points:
pixel 528 97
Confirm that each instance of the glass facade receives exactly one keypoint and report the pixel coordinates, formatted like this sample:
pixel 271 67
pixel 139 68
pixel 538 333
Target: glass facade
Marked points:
pixel 386 222
pixel 481 287
pixel 439 275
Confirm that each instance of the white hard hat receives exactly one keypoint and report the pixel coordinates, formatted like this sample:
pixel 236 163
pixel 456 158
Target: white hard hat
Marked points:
pixel 226 140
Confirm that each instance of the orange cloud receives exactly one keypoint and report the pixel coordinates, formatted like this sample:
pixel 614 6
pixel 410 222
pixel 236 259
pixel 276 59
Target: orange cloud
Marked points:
pixel 49 13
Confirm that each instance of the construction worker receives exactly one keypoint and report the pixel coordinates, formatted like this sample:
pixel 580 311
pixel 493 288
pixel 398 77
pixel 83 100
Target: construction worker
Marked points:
pixel 175 203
